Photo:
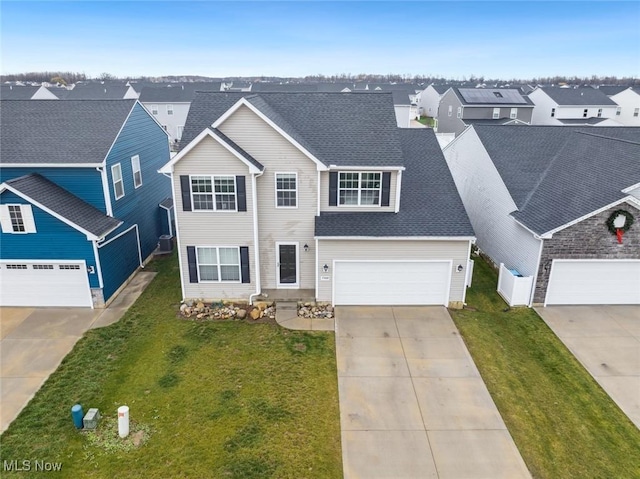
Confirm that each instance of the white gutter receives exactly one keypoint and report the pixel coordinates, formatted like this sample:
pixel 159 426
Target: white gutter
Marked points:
pixel 535 278
pixel 398 188
pixel 317 268
pixel 98 265
pixel 105 190
pixel 123 233
pixel 256 242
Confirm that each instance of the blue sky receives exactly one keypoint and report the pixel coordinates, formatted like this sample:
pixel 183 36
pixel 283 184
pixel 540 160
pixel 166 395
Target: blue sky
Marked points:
pixel 506 39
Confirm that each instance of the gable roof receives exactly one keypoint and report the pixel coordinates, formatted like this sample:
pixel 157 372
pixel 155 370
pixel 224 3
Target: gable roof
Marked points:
pixel 60 132
pixel 610 90
pixel 584 96
pixel 441 89
pixel 557 174
pixel 15 92
pixel 429 202
pixel 78 213
pixel 347 129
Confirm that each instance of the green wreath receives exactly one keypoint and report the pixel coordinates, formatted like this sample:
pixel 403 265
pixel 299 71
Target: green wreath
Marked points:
pixel 627 224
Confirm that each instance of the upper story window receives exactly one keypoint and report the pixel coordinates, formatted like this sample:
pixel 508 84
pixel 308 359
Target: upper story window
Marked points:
pixel 553 112
pixel 496 113
pixel 636 111
pixel 359 189
pixel 585 112
pixel 213 193
pixel 137 173
pixel 286 190
pixel 513 114
pixel 169 109
pixel 154 109
pixel 599 112
pixel 17 219
pixel 450 110
pixel 118 183
pixel 618 111
pixel 459 113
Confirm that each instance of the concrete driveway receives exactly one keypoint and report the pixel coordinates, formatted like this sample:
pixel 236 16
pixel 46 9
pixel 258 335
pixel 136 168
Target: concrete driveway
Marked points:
pixel 606 340
pixel 34 341
pixel 412 404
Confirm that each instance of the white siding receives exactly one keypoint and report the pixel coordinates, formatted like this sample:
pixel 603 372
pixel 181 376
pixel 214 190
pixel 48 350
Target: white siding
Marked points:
pixel 429 102
pixel 324 197
pixel 542 109
pixel 172 122
pixel 403 115
pixel 199 228
pixel 277 154
pixel 489 204
pixel 628 100
pixel 43 94
pixel 330 250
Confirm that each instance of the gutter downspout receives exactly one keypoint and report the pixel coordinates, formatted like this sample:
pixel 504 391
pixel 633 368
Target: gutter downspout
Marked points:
pixel 137 239
pixel 256 243
pixel 535 278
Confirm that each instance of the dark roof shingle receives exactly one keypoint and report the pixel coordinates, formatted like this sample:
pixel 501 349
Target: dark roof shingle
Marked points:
pixel 584 96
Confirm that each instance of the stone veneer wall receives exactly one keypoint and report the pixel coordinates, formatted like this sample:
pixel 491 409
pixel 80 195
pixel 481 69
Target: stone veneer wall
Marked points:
pixel 589 239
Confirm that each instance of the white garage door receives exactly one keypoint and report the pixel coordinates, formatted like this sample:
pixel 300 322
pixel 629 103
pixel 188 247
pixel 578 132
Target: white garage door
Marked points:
pixel 594 282
pixel 44 283
pixel 391 282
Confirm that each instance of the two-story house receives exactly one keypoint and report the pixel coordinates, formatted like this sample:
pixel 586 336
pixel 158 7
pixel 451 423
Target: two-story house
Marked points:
pixel 80 199
pixel 318 195
pixel 461 107
pixel 572 106
pixel 628 101
pixel 429 100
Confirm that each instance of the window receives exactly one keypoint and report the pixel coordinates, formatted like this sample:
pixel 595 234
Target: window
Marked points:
pixel 618 111
pixel 118 184
pixel 179 130
pixel 459 113
pixel 359 189
pixel 218 264
pixel 169 109
pixel 497 94
pixel 585 113
pixel 206 189
pixel 286 190
pixel 599 112
pixel 154 109
pixel 16 218
pixel 496 113
pixel 513 114
pixel 636 111
pixel 137 174
pixel 450 110
pixel 553 112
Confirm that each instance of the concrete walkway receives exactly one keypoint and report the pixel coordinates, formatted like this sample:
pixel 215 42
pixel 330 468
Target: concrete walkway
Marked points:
pixel 287 317
pixel 34 341
pixel 412 403
pixel 606 340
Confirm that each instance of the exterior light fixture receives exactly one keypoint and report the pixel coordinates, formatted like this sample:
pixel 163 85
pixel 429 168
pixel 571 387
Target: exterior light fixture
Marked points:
pixel 459 268
pixel 306 247
pixel 325 268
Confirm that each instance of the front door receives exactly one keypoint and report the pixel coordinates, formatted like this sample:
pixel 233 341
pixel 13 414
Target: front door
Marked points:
pixel 287 264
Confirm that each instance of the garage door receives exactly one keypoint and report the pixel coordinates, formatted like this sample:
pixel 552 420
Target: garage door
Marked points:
pixel 44 283
pixel 594 282
pixel 391 282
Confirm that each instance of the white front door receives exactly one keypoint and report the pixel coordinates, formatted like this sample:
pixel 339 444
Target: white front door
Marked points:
pixel 391 282
pixel 44 283
pixel 287 267
pixel 594 282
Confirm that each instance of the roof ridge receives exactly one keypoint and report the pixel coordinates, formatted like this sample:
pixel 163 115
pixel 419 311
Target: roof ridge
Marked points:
pixel 623 140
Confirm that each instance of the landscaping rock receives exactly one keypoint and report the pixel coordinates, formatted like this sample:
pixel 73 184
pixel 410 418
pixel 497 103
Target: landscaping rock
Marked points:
pixel 241 313
pixel 255 313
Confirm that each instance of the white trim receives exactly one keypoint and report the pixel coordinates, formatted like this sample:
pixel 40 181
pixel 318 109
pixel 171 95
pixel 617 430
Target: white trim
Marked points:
pixel 105 243
pixel 133 170
pixel 275 183
pixel 96 256
pixel 467 278
pixel 52 165
pixel 243 101
pixel 90 236
pixel 219 280
pixel 256 237
pixel 26 216
pixel 398 189
pixel 213 193
pixel 317 267
pixel 359 189
pixel 535 277
pixel 144 108
pixel 631 188
pixel 168 168
pixel 113 181
pixel 105 189
pixel 178 239
pixel 366 168
pixel 318 188
pixel 280 285
pixel 398 238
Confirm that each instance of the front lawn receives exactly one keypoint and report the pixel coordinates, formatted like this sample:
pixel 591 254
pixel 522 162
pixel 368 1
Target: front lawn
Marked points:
pixel 563 423
pixel 427 120
pixel 214 399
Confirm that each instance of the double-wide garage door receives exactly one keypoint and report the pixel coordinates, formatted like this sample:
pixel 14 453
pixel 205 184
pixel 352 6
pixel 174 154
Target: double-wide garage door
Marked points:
pixel 594 282
pixel 391 282
pixel 44 283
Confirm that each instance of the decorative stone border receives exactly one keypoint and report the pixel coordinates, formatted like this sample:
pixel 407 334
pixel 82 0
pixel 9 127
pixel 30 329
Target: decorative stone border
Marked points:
pixel 197 310
pixel 315 310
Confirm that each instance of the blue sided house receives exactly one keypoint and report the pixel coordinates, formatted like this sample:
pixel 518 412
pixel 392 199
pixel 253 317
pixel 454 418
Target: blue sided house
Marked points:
pixel 82 204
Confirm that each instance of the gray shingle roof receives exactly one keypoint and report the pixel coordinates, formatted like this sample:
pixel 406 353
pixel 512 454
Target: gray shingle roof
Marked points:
pixel 612 89
pixel 429 203
pixel 180 93
pixel 556 174
pixel 337 128
pixel 581 121
pixel 65 204
pixel 585 96
pixel 97 91
pixel 235 147
pixel 60 92
pixel 15 92
pixel 167 203
pixel 56 132
pixel 442 89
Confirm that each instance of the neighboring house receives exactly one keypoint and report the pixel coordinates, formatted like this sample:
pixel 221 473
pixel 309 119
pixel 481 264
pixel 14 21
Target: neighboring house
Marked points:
pixel 540 198
pixel 429 100
pixel 460 107
pixel 14 92
pixel 318 195
pixel 560 106
pixel 101 91
pixel 80 195
pixel 628 101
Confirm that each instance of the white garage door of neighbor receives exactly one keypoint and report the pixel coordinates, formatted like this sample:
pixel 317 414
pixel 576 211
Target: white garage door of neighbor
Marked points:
pixel 594 282
pixel 44 283
pixel 391 282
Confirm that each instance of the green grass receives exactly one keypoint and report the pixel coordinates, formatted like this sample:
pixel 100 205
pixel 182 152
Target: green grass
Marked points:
pixel 226 399
pixel 563 423
pixel 427 120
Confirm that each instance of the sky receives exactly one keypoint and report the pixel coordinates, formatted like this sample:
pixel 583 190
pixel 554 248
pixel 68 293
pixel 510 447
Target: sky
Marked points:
pixel 452 39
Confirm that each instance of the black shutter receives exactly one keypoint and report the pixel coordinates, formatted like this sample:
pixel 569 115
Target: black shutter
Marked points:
pixel 185 188
pixel 386 188
pixel 193 264
pixel 244 264
pixel 241 192
pixel 333 188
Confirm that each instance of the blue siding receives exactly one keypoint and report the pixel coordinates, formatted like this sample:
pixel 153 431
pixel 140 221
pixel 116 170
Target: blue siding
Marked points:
pixel 118 260
pixel 53 240
pixel 85 183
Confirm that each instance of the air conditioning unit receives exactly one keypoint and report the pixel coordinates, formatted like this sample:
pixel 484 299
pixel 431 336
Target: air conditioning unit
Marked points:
pixel 165 243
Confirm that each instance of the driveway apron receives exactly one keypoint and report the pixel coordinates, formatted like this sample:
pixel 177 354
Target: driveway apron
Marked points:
pixel 412 403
